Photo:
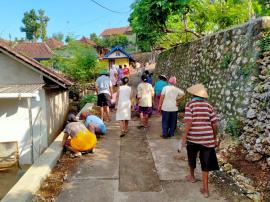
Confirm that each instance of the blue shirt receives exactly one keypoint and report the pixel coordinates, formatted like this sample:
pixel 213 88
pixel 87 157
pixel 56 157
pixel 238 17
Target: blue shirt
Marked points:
pixel 149 79
pixel 97 122
pixel 159 85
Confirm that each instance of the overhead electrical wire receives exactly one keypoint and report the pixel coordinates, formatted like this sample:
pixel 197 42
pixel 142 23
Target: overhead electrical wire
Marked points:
pixel 108 9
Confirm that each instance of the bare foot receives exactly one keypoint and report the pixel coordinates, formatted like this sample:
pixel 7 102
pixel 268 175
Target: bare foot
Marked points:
pixel 204 192
pixel 191 179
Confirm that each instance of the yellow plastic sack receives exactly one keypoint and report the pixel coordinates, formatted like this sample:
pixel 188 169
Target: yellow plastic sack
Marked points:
pixel 83 141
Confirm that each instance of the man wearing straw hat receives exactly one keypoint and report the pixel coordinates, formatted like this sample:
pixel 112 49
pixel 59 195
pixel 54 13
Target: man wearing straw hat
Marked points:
pixel 200 135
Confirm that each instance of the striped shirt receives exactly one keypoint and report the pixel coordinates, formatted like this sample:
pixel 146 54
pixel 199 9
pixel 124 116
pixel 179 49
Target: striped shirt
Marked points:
pixel 201 114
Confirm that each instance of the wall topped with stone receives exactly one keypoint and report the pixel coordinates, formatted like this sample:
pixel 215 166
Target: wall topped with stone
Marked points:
pixel 235 70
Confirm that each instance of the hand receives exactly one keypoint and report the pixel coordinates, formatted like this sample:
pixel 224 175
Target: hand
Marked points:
pixel 184 141
pixel 216 142
pixel 159 108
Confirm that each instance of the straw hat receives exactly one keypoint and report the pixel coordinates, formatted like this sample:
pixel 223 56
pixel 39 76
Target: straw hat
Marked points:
pixel 198 90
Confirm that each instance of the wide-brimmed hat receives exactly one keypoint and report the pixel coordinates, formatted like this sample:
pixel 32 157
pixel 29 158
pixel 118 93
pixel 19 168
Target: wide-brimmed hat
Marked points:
pixel 198 90
pixel 103 72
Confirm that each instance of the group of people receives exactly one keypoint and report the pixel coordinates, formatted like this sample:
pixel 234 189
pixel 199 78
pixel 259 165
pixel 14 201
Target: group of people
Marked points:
pixel 200 131
pixel 81 135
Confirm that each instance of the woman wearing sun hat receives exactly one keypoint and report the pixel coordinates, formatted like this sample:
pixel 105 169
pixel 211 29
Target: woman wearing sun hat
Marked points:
pixel 168 107
pixel 200 135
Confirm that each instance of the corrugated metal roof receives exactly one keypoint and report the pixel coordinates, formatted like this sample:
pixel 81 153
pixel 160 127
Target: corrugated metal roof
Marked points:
pixel 20 89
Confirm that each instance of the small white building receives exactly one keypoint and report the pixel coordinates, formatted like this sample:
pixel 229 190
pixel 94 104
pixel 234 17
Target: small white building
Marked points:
pixel 34 103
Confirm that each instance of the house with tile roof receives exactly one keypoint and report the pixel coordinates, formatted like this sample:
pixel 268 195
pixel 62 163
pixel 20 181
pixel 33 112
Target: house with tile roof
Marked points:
pixel 53 43
pixel 127 31
pixel 34 103
pixel 87 41
pixel 35 50
pixel 117 56
pixel 116 31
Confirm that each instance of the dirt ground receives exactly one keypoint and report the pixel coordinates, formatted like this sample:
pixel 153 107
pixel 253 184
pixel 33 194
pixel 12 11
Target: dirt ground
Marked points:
pixel 258 171
pixel 52 186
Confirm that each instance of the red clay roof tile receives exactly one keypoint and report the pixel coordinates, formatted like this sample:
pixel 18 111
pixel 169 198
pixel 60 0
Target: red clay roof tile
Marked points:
pixel 116 31
pixel 33 50
pixel 88 41
pixel 54 43
pixel 49 73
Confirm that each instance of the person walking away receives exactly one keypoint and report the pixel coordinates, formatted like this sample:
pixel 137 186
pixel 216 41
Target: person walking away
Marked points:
pixel 113 75
pixel 169 108
pixel 104 91
pixel 120 74
pixel 123 112
pixel 159 85
pixel 126 71
pixel 137 67
pixel 77 138
pixel 145 93
pixel 200 135
pixel 148 77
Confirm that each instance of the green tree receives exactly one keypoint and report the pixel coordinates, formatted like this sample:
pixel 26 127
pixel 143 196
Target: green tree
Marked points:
pixel 43 22
pixel 94 37
pixel 76 60
pixel 116 40
pixel 31 25
pixel 70 38
pixel 169 22
pixel 35 25
pixel 58 36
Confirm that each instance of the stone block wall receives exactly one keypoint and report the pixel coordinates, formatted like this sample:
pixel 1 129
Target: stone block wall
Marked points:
pixel 229 63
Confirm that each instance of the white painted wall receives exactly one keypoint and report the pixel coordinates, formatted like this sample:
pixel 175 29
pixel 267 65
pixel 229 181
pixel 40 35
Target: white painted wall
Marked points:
pixel 14 125
pixel 14 72
pixel 57 105
pixel 14 116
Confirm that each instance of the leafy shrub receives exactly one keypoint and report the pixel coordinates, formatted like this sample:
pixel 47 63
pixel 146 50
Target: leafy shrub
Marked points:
pixel 88 99
pixel 181 103
pixel 264 43
pixel 234 127
pixel 226 61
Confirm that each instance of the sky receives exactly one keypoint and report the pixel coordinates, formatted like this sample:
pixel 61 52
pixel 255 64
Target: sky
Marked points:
pixel 76 17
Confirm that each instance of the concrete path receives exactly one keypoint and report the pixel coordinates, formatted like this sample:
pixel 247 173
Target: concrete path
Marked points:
pixel 140 167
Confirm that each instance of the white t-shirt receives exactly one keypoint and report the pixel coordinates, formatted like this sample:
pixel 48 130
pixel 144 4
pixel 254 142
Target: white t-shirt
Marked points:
pixel 170 94
pixel 145 92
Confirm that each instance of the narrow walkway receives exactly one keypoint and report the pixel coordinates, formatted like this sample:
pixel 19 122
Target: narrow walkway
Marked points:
pixel 140 167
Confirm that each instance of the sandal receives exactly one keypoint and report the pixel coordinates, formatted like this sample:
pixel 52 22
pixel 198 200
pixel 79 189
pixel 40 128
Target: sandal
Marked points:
pixel 204 193
pixel 140 126
pixel 74 155
pixel 189 178
pixel 123 133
